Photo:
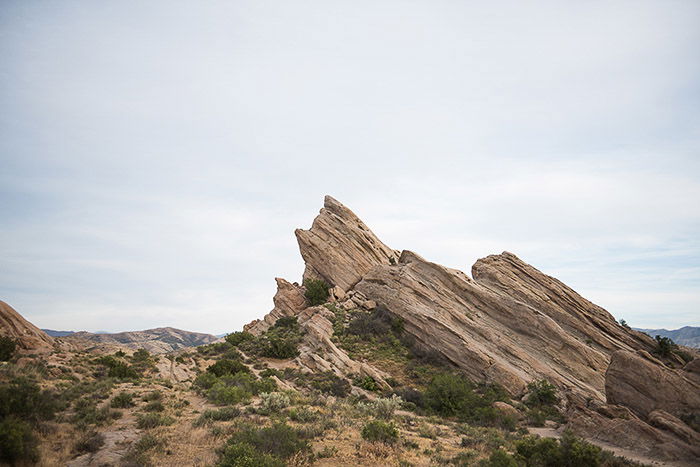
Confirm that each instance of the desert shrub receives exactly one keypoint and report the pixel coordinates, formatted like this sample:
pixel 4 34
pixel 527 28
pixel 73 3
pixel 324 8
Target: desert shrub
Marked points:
pixel 541 393
pixel 87 413
pixel 24 399
pixel 117 368
pixel 17 441
pixel 222 394
pixel 120 354
pixel 122 400
pixel 384 407
pixel 141 355
pixel 7 348
pixel 146 443
pixel 152 420
pixel 279 440
pixel 224 414
pixel 380 431
pixel 280 348
pixel 500 458
pixel 236 338
pixel 153 396
pixel 450 395
pixel 664 346
pixel 366 382
pixel 236 454
pixel 205 380
pixel 410 396
pixel 90 441
pixel 154 406
pixel 570 450
pixel 328 382
pixel 316 291
pixel 624 324
pixel 303 415
pixel 227 367
pixel 378 323
pixel 274 401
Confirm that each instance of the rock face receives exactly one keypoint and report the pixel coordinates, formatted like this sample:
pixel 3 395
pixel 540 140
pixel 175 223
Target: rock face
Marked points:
pixel 158 340
pixel 339 248
pixel 28 336
pixel 289 301
pixel 636 381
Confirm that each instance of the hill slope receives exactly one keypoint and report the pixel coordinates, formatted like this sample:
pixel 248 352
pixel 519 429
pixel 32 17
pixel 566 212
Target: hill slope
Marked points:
pixel 158 340
pixel 687 335
pixel 28 336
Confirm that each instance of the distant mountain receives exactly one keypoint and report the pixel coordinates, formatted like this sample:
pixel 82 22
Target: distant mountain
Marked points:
pixel 53 333
pixel 159 340
pixel 688 335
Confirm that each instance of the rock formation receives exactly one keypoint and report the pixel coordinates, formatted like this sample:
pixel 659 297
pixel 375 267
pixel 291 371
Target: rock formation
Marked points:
pixel 339 248
pixel 510 323
pixel 28 337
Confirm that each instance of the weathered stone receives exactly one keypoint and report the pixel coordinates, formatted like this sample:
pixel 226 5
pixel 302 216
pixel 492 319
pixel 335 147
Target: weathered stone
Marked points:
pixel 645 386
pixel 507 409
pixel 289 301
pixel 28 337
pixel 339 248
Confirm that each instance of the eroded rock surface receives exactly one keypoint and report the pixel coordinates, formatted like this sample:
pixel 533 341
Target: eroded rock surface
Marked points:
pixel 28 336
pixel 289 301
pixel 645 386
pixel 339 248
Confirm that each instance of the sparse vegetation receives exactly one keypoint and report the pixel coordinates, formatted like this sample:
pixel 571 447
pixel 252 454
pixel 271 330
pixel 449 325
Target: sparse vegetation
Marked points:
pixel 316 291
pixel 380 431
pixel 122 400
pixel 268 446
pixel 152 420
pixel 274 401
pixel 664 346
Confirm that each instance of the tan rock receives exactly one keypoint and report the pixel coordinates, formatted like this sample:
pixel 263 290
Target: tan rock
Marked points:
pixel 29 338
pixel 668 422
pixel 645 386
pixel 339 248
pixel 507 409
pixel 289 301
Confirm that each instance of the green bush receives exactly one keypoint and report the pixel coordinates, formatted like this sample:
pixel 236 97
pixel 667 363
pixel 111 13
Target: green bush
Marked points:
pixel 366 382
pixel 152 420
pixel 237 454
pixel 227 367
pixel 450 395
pixel 281 348
pixel 91 441
pixel 24 399
pixel 236 338
pixel 500 458
pixel 224 414
pixel 205 380
pixel 222 394
pixel 570 450
pixel 316 291
pixel 274 401
pixel 123 400
pixel 380 431
pixel 7 348
pixel 153 396
pixel 541 393
pixel 279 440
pixel 664 346
pixel 155 406
pixel 17 441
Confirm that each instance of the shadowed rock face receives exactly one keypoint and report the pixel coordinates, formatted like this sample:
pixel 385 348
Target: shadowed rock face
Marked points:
pixel 339 248
pixel 28 336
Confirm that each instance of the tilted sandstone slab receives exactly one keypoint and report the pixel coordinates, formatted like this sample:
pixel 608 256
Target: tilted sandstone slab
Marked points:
pixel 644 386
pixel 289 301
pixel 28 336
pixel 339 248
pixel 579 317
pixel 490 335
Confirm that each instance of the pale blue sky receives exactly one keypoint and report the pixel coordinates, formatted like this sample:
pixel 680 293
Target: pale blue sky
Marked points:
pixel 155 157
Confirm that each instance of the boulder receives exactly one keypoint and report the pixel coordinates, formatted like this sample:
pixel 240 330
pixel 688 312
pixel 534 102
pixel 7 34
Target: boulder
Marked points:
pixel 644 386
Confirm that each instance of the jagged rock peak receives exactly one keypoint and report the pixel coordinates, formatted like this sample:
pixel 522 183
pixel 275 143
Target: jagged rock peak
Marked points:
pixel 339 248
pixel 28 336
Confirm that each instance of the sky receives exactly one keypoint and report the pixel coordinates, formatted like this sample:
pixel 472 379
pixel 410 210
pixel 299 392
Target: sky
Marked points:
pixel 156 157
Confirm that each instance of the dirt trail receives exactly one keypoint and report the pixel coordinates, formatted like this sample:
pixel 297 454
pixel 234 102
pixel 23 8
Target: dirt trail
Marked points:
pixel 618 451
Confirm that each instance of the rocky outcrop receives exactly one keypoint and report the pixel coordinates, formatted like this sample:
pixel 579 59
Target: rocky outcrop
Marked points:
pixel 339 248
pixel 643 385
pixel 319 353
pixel 289 301
pixel 28 337
pixel 490 335
pixel 509 275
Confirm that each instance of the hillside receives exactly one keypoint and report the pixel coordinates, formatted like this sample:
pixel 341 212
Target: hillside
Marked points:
pixel 688 336
pixel 158 340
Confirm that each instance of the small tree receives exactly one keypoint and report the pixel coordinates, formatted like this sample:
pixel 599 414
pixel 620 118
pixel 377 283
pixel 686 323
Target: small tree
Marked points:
pixel 316 291
pixel 664 346
pixel 624 324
